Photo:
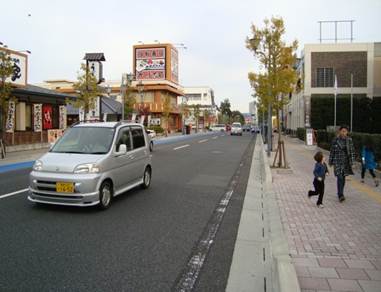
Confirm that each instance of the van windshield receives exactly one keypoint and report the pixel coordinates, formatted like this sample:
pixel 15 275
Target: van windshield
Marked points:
pixel 85 140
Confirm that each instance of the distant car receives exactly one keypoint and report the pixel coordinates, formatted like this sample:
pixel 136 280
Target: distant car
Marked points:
pixel 151 134
pixel 236 129
pixel 246 128
pixel 255 129
pixel 218 128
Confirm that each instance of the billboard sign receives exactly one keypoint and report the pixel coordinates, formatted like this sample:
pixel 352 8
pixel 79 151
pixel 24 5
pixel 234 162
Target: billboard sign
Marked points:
pixel 150 63
pixel 174 65
pixel 20 63
pixel 96 69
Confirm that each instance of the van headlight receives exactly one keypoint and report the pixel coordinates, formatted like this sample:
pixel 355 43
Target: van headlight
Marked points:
pixel 86 168
pixel 37 166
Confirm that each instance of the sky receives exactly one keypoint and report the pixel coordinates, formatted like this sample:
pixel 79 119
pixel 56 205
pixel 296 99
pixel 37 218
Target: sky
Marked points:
pixel 59 33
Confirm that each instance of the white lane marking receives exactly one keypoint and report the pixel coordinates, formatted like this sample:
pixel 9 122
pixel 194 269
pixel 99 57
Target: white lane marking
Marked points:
pixel 13 193
pixel 223 135
pixel 215 137
pixel 202 141
pixel 176 148
pixel 194 265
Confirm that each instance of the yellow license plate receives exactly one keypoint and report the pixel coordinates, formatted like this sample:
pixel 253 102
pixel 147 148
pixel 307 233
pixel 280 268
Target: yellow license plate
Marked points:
pixel 63 187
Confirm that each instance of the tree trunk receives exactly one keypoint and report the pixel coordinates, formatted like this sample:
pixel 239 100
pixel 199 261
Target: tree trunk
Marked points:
pixel 280 152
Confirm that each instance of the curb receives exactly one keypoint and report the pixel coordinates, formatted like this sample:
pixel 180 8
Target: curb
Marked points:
pixel 283 270
pixel 261 260
pixel 16 166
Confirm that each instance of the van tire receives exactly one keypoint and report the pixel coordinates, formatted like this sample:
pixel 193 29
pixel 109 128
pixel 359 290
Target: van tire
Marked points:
pixel 151 146
pixel 105 195
pixel 146 178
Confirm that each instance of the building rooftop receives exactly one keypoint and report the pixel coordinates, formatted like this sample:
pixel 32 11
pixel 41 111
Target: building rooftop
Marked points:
pixel 36 90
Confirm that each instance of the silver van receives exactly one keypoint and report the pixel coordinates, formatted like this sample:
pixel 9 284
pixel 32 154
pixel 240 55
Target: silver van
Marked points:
pixel 92 163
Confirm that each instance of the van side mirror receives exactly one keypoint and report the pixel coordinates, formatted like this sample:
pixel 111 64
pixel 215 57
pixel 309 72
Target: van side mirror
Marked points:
pixel 122 149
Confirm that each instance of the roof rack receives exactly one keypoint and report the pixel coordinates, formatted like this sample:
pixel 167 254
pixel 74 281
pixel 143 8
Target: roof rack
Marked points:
pixel 87 121
pixel 125 122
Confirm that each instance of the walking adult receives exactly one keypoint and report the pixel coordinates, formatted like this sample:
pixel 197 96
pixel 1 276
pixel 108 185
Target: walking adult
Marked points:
pixel 342 157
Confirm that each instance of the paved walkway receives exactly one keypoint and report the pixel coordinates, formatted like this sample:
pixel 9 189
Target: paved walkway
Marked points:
pixel 337 248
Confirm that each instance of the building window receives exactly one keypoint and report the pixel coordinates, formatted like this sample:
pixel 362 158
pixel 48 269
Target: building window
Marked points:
pixel 324 77
pixel 193 97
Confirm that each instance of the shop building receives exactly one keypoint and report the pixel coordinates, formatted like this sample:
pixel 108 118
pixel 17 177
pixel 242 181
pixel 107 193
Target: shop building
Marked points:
pixel 157 83
pixel 34 115
pixel 154 86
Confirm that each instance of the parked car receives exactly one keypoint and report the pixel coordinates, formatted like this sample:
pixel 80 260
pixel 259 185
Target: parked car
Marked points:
pixel 236 129
pixel 151 134
pixel 91 164
pixel 218 128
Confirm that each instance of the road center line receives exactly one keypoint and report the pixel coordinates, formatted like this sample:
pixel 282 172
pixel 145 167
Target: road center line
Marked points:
pixel 202 141
pixel 13 193
pixel 183 146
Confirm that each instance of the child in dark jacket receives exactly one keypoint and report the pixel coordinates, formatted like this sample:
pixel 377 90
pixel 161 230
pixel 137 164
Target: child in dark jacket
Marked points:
pixel 320 171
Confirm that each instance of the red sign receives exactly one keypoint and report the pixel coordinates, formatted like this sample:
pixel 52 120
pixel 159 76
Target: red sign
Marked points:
pixel 47 113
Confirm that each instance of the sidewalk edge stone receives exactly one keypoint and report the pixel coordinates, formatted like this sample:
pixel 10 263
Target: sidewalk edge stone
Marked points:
pixel 283 269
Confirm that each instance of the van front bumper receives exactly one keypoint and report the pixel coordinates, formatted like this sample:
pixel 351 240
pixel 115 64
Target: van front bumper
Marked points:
pixel 42 189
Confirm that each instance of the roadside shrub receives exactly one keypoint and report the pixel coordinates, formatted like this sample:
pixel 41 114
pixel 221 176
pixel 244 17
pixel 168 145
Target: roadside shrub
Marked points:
pixel 301 133
pixel 325 138
pixel 366 112
pixel 157 129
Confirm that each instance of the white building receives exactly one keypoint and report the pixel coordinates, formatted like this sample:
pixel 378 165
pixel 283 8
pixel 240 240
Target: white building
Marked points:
pixel 203 96
pixel 317 67
pixel 253 110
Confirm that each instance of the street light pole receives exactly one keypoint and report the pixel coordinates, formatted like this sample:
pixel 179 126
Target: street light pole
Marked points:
pixel 269 129
pixel 140 88
pixel 351 102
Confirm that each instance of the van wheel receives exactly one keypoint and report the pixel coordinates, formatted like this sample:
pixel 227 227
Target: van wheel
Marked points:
pixel 151 146
pixel 146 178
pixel 105 195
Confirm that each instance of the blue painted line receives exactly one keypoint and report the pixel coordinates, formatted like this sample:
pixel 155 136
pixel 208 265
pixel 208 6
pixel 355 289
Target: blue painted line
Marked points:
pixel 16 166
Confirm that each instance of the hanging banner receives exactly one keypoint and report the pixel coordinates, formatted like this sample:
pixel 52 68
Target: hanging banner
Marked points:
pixel 47 113
pixel 142 117
pixel 63 117
pixel 148 119
pixel 133 119
pixel 10 123
pixel 37 117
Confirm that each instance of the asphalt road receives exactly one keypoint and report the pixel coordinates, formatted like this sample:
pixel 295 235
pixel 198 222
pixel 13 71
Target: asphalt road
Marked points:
pixel 147 237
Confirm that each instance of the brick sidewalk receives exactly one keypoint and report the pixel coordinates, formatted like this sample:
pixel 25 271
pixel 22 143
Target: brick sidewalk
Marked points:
pixel 337 248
